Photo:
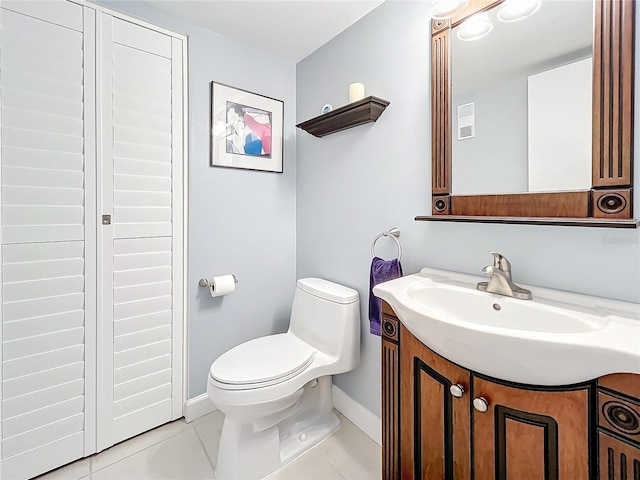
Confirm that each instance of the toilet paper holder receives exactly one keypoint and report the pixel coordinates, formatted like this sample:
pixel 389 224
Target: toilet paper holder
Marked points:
pixel 204 282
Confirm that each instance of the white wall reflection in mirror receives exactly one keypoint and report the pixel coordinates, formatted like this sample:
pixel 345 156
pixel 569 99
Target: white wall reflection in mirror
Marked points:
pixel 530 83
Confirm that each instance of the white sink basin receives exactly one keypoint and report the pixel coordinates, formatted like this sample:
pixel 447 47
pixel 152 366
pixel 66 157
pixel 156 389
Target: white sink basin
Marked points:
pixel 558 338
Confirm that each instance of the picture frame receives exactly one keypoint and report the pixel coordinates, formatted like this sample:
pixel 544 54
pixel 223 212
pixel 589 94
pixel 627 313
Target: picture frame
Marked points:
pixel 246 130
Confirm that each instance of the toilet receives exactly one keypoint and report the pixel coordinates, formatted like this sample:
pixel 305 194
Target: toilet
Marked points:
pixel 275 391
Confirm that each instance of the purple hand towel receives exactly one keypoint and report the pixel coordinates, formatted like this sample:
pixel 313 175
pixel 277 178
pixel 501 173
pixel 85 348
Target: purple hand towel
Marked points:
pixel 381 271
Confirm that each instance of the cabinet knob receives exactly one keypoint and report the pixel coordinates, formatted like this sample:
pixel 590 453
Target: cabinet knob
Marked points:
pixel 481 404
pixel 457 390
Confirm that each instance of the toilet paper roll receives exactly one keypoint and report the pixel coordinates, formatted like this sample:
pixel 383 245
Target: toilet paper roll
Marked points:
pixel 222 285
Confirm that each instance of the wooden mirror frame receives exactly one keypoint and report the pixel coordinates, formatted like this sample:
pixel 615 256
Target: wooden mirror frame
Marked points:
pixel 610 196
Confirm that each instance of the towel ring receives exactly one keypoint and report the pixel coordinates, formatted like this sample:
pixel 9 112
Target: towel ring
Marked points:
pixel 394 233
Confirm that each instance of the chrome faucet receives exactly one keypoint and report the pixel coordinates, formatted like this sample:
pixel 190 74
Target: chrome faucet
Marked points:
pixel 500 279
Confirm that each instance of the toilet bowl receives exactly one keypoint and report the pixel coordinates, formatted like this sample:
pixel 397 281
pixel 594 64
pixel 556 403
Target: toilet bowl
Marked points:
pixel 275 391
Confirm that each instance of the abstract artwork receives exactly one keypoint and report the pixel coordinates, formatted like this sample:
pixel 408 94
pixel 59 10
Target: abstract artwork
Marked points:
pixel 246 129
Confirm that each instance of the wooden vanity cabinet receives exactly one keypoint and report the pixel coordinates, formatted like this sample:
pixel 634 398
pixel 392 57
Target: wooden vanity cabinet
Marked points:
pixel 531 433
pixel 587 431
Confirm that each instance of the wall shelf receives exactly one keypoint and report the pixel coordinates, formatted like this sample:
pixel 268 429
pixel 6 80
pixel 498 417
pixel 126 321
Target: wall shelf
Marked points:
pixel 357 113
pixel 567 222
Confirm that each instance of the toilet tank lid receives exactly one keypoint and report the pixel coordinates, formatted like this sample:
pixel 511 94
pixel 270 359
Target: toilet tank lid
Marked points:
pixel 328 290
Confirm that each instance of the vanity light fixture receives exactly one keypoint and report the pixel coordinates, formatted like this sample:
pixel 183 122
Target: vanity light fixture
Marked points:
pixel 445 9
pixel 475 28
pixel 516 10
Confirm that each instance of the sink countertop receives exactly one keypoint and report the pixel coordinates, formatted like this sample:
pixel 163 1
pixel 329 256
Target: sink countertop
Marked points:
pixel 558 338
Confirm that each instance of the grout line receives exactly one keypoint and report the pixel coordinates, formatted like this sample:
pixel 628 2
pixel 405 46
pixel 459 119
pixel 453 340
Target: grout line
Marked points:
pixel 91 472
pixel 206 454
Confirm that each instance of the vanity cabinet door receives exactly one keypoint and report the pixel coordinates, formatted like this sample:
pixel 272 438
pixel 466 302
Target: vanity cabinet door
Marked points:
pixel 534 434
pixel 435 441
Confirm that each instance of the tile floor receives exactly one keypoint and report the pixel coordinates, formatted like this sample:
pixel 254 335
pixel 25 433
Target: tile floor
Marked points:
pixel 185 451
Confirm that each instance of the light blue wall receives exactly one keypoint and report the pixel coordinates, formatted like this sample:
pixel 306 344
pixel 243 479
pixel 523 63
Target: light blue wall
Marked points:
pixel 354 184
pixel 240 221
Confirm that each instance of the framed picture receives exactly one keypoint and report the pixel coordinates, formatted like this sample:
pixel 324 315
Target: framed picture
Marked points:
pixel 246 129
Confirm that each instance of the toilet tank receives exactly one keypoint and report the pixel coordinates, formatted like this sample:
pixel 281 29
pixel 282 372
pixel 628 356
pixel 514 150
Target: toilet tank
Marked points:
pixel 327 316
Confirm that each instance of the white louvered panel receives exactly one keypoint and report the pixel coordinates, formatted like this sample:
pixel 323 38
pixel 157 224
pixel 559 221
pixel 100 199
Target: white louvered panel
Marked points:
pixel 138 183
pixel 48 88
pixel 142 322
pixel 141 59
pixel 141 369
pixel 128 166
pixel 39 102
pixel 25 347
pixel 50 46
pixel 131 404
pixel 141 38
pixel 143 199
pixel 142 136
pixel 42 325
pixel 20 291
pixel 41 380
pixel 33 159
pixel 57 12
pixel 31 120
pixel 136 355
pixel 41 177
pixel 33 364
pixel 140 277
pixel 41 65
pixel 38 436
pixel 141 338
pixel 44 458
pixel 142 384
pixel 40 195
pixel 55 142
pixel 139 292
pixel 141 120
pixel 135 103
pixel 29 421
pixel 42 398
pixel 152 89
pixel 43 185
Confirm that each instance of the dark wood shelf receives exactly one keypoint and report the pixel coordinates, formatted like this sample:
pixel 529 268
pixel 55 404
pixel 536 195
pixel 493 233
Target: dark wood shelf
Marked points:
pixel 567 222
pixel 357 113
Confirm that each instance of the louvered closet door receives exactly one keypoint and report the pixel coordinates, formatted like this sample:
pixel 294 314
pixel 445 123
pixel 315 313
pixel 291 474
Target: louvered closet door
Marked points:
pixel 141 188
pixel 48 234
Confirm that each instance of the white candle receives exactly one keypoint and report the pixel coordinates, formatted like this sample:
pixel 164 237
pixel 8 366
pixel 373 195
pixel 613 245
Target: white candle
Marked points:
pixel 356 92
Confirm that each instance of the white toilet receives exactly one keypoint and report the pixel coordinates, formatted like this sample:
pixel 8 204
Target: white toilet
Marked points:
pixel 275 391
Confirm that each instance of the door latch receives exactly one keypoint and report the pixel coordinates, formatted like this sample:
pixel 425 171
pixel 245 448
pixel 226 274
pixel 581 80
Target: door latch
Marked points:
pixel 106 219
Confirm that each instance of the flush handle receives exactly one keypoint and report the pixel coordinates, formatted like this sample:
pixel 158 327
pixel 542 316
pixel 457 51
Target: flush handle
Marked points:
pixel 457 390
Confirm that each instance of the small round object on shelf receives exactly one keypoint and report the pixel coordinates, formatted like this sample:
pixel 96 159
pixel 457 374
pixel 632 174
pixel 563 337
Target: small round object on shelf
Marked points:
pixel 327 108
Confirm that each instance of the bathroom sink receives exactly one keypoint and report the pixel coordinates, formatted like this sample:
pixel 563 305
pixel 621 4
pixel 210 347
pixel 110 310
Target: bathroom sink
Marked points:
pixel 558 338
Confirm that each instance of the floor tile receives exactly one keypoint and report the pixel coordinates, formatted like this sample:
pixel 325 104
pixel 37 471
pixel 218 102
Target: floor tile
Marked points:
pixel 74 471
pixel 208 429
pixel 353 453
pixel 179 457
pixel 309 466
pixel 137 444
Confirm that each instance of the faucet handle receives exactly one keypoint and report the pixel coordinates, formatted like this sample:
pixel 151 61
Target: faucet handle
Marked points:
pixel 501 262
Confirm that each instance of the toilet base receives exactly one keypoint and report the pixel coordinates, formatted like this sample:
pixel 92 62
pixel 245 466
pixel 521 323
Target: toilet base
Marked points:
pixel 249 452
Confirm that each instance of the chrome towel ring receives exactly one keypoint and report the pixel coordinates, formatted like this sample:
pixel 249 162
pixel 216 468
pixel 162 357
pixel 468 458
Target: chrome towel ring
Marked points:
pixel 393 233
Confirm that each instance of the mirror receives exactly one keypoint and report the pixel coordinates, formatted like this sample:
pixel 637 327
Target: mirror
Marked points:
pixel 521 102
pixel 535 118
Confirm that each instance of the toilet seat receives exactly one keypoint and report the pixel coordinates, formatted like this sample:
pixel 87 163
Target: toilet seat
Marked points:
pixel 261 362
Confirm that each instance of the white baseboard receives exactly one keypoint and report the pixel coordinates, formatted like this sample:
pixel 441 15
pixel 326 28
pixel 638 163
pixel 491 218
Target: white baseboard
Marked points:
pixel 198 407
pixel 357 414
